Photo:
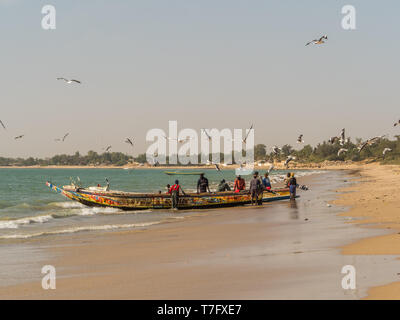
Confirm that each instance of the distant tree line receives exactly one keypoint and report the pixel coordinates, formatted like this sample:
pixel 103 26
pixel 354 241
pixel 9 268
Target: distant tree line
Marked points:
pixel 323 151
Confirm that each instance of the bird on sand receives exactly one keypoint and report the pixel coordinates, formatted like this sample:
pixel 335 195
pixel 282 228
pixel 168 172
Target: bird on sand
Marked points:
pixel 2 124
pixel 69 81
pixel 19 137
pixel 63 138
pixel 289 158
pixel 129 141
pixel 341 150
pixel 396 123
pixel 300 139
pixel 385 151
pixel 318 41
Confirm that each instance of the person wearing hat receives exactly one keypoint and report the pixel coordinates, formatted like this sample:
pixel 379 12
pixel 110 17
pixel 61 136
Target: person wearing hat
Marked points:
pixel 223 186
pixel 174 191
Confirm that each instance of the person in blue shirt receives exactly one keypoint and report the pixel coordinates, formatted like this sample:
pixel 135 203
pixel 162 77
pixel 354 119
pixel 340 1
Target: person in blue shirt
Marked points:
pixel 266 182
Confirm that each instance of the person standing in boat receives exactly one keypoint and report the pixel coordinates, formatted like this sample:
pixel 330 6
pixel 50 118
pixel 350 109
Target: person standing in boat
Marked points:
pixel 202 184
pixel 239 185
pixel 174 191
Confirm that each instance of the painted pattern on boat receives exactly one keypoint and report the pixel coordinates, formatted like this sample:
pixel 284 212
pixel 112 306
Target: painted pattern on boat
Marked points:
pixel 136 201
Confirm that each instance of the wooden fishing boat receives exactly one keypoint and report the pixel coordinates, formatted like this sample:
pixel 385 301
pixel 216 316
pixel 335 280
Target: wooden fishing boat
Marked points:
pixel 137 201
pixel 175 173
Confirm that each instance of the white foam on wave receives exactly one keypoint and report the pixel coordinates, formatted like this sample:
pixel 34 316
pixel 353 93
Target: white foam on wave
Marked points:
pixel 69 204
pixel 14 224
pixel 80 229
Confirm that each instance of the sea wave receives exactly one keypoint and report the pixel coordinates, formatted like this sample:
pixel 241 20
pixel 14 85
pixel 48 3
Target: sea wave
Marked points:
pixel 106 227
pixel 14 224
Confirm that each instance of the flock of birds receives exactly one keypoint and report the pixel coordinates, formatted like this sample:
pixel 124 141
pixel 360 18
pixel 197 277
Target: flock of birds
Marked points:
pixel 341 138
pixel 62 139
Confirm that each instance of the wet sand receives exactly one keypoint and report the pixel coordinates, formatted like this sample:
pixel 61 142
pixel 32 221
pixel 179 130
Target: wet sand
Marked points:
pixel 375 203
pixel 281 250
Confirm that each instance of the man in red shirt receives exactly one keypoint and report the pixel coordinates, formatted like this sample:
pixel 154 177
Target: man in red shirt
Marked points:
pixel 240 184
pixel 174 191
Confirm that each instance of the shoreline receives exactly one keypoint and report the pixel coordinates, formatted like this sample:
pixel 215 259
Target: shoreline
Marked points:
pixel 375 205
pixel 326 165
pixel 267 252
pixel 277 251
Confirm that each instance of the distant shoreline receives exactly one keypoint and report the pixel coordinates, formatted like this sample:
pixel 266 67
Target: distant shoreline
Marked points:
pixel 326 165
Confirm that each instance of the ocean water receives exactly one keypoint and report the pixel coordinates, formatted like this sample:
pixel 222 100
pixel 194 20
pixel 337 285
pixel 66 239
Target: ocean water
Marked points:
pixel 29 209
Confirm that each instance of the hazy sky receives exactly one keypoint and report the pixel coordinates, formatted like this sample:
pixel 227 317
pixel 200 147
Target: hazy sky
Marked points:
pixel 213 64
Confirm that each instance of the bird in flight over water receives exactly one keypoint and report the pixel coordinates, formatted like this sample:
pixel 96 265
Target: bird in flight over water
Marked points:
pixel 318 41
pixel 69 81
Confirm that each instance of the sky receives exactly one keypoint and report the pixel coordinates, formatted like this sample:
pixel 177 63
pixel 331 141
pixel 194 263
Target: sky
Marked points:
pixel 207 64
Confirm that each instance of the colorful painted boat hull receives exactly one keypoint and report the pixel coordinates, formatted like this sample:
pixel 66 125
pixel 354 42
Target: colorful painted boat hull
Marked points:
pixel 141 201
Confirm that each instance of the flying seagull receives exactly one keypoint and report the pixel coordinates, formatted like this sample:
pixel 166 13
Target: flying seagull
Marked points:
pixel 247 135
pixel 108 148
pixel 289 158
pixel 300 139
pixel 369 142
pixel 63 138
pixel 69 81
pixel 397 123
pixel 276 149
pixel 271 167
pixel 129 141
pixel 217 167
pixel 342 138
pixel 318 41
pixel 19 137
pixel 208 136
pixel 341 150
pixel 333 139
pixel 2 124
pixel 385 151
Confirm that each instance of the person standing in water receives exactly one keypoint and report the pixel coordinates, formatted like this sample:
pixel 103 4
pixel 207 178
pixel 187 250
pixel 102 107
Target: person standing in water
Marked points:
pixel 255 187
pixel 174 191
pixel 292 186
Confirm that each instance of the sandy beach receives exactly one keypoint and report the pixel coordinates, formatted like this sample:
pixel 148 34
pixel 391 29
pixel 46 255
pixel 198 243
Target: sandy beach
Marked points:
pixel 279 251
pixel 375 200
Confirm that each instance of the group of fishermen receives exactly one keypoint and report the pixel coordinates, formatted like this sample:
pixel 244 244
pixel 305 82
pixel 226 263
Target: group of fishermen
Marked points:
pixel 257 186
